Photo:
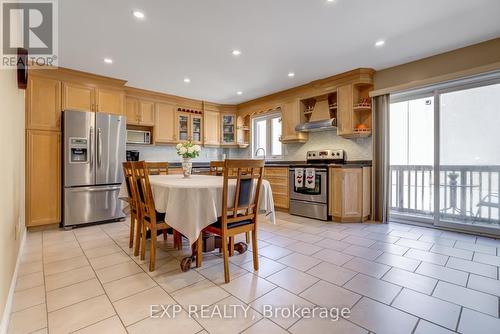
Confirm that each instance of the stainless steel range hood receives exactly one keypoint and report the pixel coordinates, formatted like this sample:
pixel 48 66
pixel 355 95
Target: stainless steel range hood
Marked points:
pixel 323 125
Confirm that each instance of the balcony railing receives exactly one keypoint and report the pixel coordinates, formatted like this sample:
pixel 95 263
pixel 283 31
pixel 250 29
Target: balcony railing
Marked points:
pixel 468 193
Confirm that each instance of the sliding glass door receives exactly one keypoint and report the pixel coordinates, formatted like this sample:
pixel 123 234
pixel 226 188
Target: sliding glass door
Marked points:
pixel 445 156
pixel 469 158
pixel 412 159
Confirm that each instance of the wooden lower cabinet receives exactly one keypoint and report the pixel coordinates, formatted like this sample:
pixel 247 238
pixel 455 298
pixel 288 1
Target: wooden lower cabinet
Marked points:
pixel 43 177
pixel 350 194
pixel 175 170
pixel 278 178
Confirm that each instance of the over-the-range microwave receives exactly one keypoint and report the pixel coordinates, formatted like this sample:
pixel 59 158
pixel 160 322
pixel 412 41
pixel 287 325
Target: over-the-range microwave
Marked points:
pixel 142 137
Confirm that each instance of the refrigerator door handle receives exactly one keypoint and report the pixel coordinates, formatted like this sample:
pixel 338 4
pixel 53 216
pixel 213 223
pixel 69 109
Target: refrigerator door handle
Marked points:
pixel 96 189
pixel 91 145
pixel 99 147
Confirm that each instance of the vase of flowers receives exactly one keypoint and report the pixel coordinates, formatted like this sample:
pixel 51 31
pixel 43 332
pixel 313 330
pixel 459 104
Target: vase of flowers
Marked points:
pixel 187 151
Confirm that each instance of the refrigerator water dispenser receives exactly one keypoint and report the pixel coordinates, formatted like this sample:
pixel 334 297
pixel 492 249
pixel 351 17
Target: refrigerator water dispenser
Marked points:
pixel 78 150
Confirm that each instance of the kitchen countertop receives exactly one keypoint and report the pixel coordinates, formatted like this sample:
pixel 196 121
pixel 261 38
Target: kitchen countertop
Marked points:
pixel 286 163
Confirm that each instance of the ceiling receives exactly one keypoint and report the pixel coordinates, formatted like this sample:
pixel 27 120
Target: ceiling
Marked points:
pixel 313 38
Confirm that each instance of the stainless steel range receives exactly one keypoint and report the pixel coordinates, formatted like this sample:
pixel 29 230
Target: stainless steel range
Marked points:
pixel 308 183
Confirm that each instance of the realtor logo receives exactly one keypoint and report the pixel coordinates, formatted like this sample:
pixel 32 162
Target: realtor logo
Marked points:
pixel 31 25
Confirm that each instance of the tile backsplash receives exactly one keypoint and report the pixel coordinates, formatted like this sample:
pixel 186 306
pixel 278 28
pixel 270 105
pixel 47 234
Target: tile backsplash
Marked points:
pixel 357 149
pixel 169 153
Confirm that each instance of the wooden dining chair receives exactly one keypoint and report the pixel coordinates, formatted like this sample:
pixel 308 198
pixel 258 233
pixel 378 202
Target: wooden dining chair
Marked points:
pixel 216 168
pixel 239 216
pixel 152 220
pixel 157 168
pixel 133 201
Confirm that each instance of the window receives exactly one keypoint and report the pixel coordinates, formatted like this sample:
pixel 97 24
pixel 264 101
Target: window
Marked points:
pixel 266 134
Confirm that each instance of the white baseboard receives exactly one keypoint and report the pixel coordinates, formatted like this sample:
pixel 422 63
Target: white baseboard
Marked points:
pixel 4 325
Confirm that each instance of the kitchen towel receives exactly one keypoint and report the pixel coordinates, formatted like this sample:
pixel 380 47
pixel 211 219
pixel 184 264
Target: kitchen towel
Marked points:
pixel 299 177
pixel 310 178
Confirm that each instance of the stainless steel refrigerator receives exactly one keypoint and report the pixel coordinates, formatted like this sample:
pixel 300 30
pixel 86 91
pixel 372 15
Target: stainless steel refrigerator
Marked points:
pixel 94 149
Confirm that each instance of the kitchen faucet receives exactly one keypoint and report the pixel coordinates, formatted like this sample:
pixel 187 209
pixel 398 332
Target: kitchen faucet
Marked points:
pixel 257 151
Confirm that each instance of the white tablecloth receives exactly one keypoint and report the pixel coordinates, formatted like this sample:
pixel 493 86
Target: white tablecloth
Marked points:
pixel 193 204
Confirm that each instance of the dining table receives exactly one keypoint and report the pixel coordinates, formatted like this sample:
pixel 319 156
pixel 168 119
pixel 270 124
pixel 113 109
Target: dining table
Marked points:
pixel 191 204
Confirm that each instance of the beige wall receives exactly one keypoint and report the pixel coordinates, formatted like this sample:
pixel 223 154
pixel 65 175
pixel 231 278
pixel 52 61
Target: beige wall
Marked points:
pixel 11 178
pixel 446 66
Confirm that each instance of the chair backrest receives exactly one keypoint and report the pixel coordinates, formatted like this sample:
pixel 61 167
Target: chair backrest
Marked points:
pixel 128 173
pixel 248 175
pixel 157 168
pixel 145 194
pixel 216 167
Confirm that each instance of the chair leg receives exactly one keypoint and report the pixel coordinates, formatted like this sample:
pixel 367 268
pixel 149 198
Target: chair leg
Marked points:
pixel 138 229
pixel 132 230
pixel 165 235
pixel 231 246
pixel 255 250
pixel 199 250
pixel 143 241
pixel 177 240
pixel 225 255
pixel 152 252
pixel 247 234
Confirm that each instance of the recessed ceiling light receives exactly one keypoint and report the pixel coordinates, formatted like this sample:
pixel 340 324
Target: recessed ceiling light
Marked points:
pixel 236 52
pixel 187 80
pixel 239 92
pixel 291 74
pixel 380 43
pixel 138 14
pixel 330 0
pixel 108 60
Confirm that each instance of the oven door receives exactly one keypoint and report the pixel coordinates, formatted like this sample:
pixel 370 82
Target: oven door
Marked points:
pixel 317 194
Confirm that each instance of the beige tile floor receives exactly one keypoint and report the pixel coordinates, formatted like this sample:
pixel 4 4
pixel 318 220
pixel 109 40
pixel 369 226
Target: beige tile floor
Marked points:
pixel 395 278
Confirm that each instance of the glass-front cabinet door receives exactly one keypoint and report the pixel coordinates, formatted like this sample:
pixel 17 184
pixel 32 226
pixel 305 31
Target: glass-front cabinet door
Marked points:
pixel 196 129
pixel 228 129
pixel 183 126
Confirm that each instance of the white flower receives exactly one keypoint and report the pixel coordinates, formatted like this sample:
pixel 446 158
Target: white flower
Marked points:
pixel 178 147
pixel 182 150
pixel 197 148
pixel 190 149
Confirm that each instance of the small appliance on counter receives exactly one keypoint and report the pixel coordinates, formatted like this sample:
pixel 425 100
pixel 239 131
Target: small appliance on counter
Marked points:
pixel 132 155
pixel 308 183
pixel 94 150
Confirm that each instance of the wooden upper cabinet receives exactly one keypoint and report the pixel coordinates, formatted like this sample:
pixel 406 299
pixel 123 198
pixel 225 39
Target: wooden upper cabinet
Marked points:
pixel 196 128
pixel 228 131
pixel 132 110
pixel 139 112
pixel 345 110
pixel 164 131
pixel 146 113
pixel 212 128
pixel 111 101
pixel 291 116
pixel 43 198
pixel 78 97
pixel 43 104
